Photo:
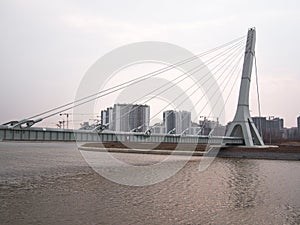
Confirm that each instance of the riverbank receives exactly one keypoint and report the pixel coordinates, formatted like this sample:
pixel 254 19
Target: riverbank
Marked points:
pixel 281 152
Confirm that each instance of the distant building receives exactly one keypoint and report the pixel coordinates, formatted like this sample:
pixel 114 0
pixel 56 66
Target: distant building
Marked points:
pixel 107 117
pixel 206 126
pixel 211 127
pixel 139 117
pixel 177 121
pixel 270 129
pixel 103 117
pixel 129 117
pixel 158 128
pixel 290 134
pixel 275 129
pixel 195 129
pixel 170 121
pixel 261 125
pixel 185 121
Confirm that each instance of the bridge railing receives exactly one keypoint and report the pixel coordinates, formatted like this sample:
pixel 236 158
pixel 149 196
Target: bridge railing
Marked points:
pixel 52 134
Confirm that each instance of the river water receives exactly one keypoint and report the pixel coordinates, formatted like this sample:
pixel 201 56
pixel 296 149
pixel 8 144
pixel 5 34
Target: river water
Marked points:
pixel 50 183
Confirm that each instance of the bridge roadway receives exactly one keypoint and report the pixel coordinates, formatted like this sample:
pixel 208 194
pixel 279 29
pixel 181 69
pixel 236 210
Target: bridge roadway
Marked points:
pixel 52 134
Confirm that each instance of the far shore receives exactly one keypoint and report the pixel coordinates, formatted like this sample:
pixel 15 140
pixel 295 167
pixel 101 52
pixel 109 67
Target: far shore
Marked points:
pixel 287 147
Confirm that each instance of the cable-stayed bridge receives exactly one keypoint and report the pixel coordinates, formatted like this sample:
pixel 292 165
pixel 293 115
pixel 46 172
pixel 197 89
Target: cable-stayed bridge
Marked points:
pixel 224 61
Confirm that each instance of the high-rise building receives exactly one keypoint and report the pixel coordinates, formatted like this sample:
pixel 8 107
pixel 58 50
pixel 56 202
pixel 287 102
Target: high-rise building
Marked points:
pixel 291 134
pixel 129 117
pixel 103 120
pixel 177 121
pixel 185 121
pixel 271 129
pixel 275 129
pixel 139 117
pixel 169 118
pixel 261 125
pixel 107 117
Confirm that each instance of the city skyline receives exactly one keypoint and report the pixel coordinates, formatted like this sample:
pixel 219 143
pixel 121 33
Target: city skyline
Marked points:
pixel 271 129
pixel 179 122
pixel 267 118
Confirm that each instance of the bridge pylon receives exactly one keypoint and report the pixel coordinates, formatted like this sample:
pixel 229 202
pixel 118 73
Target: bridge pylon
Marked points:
pixel 242 124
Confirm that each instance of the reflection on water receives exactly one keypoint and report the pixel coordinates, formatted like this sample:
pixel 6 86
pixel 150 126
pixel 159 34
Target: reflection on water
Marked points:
pixel 243 182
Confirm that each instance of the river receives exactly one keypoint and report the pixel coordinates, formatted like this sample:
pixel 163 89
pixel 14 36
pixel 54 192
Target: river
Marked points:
pixel 50 183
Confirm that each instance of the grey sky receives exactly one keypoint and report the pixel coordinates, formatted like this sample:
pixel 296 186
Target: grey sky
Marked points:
pixel 47 46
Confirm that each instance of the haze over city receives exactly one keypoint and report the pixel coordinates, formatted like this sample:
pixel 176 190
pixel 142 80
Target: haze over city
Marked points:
pixel 47 46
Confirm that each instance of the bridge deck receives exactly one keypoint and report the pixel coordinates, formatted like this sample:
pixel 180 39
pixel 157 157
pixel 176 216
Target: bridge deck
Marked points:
pixel 52 134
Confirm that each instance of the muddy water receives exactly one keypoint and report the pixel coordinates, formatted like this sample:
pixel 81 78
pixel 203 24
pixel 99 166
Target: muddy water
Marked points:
pixel 50 183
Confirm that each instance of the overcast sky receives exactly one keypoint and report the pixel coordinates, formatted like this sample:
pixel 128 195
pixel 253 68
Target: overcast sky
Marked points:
pixel 47 46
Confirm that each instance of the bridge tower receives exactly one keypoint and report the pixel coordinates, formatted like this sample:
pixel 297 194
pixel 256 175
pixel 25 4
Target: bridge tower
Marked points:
pixel 242 124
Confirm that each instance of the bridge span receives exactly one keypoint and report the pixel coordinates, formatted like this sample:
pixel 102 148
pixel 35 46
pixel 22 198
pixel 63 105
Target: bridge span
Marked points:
pixel 241 131
pixel 53 134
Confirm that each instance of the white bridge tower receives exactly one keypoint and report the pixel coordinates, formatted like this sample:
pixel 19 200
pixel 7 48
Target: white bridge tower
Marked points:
pixel 242 124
